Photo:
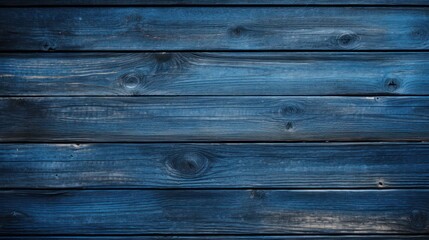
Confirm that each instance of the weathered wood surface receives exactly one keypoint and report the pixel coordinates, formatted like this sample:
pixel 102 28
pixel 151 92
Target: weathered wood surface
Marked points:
pixel 210 212
pixel 219 73
pixel 227 237
pixel 218 28
pixel 93 144
pixel 308 165
pixel 209 2
pixel 166 119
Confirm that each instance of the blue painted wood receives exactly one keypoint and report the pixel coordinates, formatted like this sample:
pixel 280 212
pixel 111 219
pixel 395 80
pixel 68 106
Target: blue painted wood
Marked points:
pixel 197 190
pixel 222 73
pixel 208 119
pixel 303 165
pixel 219 28
pixel 214 212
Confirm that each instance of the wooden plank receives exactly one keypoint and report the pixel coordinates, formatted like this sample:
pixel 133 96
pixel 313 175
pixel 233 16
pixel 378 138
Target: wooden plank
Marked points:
pixel 219 73
pixel 363 165
pixel 214 212
pixel 226 237
pixel 208 119
pixel 208 2
pixel 219 28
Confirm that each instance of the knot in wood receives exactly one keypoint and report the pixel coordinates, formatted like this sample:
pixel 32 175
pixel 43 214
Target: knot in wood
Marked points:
pixel 290 110
pixel 237 31
pixel 187 164
pixel 347 40
pixel 420 33
pixel 131 80
pixel 418 219
pixel 391 84
pixel 49 45
pixel 289 126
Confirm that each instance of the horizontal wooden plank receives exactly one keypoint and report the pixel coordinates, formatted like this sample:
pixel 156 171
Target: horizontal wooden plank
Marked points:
pixel 208 119
pixel 307 165
pixel 214 211
pixel 220 73
pixel 227 237
pixel 219 28
pixel 208 2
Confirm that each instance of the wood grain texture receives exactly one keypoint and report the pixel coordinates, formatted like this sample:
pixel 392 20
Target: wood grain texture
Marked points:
pixel 226 237
pixel 307 165
pixel 220 73
pixel 208 2
pixel 87 138
pixel 218 28
pixel 164 119
pixel 214 212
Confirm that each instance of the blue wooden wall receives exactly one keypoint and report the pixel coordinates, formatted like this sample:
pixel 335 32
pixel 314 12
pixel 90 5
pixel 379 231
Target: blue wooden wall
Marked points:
pixel 214 119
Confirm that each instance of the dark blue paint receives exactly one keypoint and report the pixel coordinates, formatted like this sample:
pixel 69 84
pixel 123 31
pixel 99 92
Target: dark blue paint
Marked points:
pixel 240 190
pixel 214 28
pixel 301 165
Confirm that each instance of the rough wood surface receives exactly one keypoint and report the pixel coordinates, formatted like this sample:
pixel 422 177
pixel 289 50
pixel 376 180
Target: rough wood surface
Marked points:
pixel 210 212
pixel 212 119
pixel 176 119
pixel 216 28
pixel 308 165
pixel 221 73
pixel 208 2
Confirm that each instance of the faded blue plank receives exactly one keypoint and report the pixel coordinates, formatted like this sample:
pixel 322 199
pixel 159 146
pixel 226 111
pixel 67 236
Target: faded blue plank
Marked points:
pixel 214 212
pixel 307 165
pixel 208 119
pixel 237 73
pixel 219 28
